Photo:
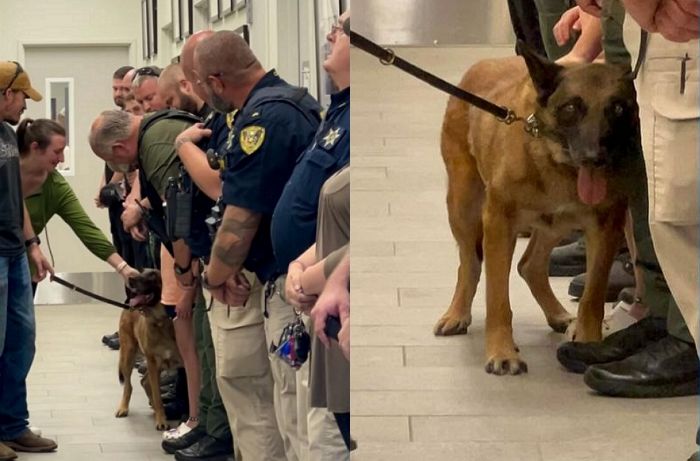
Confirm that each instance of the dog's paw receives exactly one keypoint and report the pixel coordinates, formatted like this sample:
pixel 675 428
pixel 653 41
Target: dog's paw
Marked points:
pixel 506 366
pixel 162 426
pixel 448 326
pixel 122 413
pixel 561 324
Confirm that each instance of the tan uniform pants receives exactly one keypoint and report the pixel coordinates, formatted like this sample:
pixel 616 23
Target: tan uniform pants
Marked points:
pixel 244 376
pixel 667 88
pixel 279 314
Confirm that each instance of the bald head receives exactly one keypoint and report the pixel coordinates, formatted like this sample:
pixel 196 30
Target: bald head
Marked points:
pixel 225 53
pixel 187 53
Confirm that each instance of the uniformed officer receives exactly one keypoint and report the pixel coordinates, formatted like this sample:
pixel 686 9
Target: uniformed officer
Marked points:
pixel 293 228
pixel 272 126
pixel 212 437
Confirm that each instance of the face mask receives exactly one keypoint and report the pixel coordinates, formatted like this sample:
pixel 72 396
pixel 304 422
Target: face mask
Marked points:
pixel 119 167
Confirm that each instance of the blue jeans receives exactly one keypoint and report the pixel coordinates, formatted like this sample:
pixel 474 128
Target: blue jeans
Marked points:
pixel 17 335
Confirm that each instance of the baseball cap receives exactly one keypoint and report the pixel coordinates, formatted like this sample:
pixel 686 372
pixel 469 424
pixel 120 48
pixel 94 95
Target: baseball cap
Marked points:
pixel 13 76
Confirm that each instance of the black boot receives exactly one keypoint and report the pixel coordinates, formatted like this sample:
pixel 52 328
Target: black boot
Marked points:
pixel 111 341
pixel 172 445
pixel 621 276
pixel 577 357
pixel 666 368
pixel 568 260
pixel 208 448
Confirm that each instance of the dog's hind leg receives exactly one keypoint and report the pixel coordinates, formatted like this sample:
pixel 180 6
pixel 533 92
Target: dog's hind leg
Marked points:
pixel 127 357
pixel 464 200
pixel 533 268
pixel 499 244
pixel 603 239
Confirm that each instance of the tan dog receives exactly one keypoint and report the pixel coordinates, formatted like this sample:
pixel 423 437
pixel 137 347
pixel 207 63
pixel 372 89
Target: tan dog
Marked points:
pixel 148 328
pixel 503 180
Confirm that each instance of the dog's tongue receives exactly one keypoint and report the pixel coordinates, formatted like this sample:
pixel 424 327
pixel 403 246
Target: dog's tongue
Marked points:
pixel 138 300
pixel 592 185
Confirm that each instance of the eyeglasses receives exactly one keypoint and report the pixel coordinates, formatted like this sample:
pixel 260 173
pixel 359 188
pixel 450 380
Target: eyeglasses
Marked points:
pixel 18 71
pixel 147 71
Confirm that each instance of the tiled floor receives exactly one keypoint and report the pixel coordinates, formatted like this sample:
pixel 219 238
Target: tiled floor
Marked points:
pixel 74 390
pixel 418 397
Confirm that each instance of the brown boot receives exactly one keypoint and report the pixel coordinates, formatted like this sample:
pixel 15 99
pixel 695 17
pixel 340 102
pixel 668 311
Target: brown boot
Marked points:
pixel 6 453
pixel 30 442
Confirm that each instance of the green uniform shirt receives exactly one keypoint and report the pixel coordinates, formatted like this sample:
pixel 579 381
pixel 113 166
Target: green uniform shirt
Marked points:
pixel 57 198
pixel 157 155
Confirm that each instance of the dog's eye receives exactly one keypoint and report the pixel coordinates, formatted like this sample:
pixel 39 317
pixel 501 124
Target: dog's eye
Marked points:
pixel 571 112
pixel 569 108
pixel 618 109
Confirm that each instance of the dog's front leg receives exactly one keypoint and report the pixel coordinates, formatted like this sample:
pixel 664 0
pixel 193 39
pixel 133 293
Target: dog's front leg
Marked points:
pixel 156 401
pixel 499 243
pixel 603 239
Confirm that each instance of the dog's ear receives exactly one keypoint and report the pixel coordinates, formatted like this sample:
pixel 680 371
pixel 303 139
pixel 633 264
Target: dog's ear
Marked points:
pixel 544 73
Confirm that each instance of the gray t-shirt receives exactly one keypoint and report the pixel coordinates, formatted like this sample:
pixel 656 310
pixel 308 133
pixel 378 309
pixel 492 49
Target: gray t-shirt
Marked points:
pixel 11 206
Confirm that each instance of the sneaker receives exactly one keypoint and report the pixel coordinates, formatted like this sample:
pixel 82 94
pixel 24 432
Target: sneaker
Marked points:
pixel 620 317
pixel 176 433
pixel 6 453
pixel 30 442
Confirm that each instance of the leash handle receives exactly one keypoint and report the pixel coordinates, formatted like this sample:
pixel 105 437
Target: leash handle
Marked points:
pixel 73 287
pixel 388 57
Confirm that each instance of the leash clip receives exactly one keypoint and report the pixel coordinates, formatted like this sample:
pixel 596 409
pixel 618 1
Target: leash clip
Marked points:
pixel 392 57
pixel 532 126
pixel 510 116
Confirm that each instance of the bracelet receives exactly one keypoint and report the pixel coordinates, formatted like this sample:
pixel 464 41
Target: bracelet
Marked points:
pixel 121 266
pixel 180 141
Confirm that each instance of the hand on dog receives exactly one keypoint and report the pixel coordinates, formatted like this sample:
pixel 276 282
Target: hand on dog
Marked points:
pixel 293 293
pixel 127 273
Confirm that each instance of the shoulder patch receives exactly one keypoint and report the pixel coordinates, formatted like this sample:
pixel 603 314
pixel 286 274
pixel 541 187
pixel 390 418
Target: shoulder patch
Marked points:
pixel 252 138
pixel 331 136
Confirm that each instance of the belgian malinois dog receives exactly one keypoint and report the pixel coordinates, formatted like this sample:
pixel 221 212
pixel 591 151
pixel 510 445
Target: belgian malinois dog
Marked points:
pixel 502 180
pixel 146 326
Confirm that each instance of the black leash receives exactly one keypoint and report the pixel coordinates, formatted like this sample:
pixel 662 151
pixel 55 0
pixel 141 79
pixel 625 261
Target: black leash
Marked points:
pixel 70 286
pixel 388 57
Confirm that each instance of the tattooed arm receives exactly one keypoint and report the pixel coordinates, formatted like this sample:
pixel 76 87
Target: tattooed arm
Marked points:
pixel 232 244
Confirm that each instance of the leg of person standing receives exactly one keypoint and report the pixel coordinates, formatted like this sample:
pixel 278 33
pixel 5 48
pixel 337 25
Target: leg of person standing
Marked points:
pixel 244 377
pixel 279 314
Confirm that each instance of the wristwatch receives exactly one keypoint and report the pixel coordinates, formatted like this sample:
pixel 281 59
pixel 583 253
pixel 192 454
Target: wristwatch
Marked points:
pixel 29 242
pixel 183 270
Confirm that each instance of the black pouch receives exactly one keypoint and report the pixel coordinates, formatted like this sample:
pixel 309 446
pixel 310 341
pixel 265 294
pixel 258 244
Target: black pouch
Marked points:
pixel 178 209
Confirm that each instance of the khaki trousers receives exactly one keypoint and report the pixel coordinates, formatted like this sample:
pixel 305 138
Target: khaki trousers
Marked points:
pixel 244 376
pixel 278 315
pixel 667 88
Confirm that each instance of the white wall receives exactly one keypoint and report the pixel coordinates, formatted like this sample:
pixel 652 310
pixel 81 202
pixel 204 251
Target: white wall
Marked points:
pixel 68 21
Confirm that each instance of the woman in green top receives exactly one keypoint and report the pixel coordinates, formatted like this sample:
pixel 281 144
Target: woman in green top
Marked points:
pixel 47 193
